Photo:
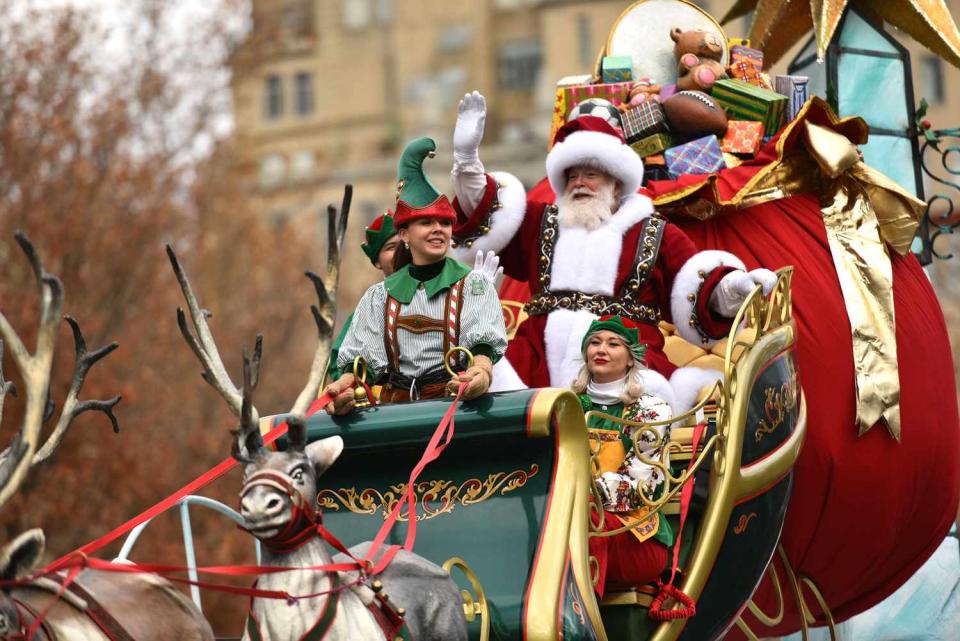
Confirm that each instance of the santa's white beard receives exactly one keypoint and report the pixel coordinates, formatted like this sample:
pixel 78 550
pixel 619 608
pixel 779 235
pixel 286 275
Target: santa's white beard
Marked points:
pixel 588 213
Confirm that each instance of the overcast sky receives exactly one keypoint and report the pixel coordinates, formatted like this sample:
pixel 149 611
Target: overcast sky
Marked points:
pixel 194 59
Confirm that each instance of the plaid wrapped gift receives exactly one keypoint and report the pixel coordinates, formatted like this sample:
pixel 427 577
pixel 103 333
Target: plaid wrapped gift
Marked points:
pixel 743 101
pixel 795 89
pixel 742 137
pixel 740 53
pixel 651 145
pixel 568 97
pixel 700 156
pixel 747 72
pixel 617 68
pixel 644 120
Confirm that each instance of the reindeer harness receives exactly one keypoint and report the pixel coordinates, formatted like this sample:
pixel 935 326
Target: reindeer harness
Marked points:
pixel 306 522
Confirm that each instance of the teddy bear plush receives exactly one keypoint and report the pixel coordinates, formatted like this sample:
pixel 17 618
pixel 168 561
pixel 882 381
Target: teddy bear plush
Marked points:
pixel 698 54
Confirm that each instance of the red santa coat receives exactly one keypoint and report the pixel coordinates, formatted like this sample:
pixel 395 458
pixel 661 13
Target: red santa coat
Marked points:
pixel 546 348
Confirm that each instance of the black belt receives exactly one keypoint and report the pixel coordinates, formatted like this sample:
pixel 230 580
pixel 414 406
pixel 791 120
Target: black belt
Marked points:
pixel 415 383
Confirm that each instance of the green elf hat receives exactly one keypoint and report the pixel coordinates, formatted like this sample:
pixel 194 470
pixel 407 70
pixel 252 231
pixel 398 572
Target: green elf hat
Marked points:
pixel 625 329
pixel 416 196
pixel 378 233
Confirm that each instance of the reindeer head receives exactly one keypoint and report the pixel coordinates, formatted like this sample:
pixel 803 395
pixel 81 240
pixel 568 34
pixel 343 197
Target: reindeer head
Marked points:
pixel 279 495
pixel 17 560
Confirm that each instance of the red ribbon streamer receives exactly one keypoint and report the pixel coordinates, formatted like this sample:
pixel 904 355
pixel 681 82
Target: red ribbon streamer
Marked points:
pixel 80 558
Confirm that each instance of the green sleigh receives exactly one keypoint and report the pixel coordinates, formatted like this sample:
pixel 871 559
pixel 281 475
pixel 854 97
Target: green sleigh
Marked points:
pixel 508 501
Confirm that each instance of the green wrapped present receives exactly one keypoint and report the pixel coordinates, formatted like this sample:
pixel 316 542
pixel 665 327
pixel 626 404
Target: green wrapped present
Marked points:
pixel 617 68
pixel 744 101
pixel 655 144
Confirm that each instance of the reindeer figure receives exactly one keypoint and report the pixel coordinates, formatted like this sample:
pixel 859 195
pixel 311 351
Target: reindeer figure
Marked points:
pixel 97 605
pixel 278 503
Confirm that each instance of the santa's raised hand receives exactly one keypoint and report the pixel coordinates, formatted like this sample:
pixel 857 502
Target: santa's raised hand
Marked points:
pixel 471 117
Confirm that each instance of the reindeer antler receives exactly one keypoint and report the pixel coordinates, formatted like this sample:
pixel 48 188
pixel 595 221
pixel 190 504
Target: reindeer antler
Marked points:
pixel 204 346
pixel 247 439
pixel 325 314
pixel 35 369
pixel 72 407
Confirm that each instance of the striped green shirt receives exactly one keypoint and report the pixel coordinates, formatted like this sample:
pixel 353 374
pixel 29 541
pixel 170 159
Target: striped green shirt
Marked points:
pixel 481 321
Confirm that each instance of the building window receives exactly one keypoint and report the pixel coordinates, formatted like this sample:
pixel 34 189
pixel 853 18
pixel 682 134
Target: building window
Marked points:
pixel 273 98
pixel 519 64
pixel 272 169
pixel 297 17
pixel 585 43
pixel 931 79
pixel 304 86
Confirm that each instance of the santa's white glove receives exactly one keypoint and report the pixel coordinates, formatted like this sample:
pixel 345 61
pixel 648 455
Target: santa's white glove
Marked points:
pixel 489 266
pixel 471 116
pixel 734 288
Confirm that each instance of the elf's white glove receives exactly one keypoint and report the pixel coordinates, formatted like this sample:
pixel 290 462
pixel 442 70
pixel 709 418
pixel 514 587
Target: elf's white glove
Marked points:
pixel 489 266
pixel 734 288
pixel 467 135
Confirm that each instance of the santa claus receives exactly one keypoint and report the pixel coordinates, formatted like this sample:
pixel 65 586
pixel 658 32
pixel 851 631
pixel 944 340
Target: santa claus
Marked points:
pixel 600 249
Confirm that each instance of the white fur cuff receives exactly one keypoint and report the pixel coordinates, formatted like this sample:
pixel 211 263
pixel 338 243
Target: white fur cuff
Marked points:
pixel 504 221
pixel 686 285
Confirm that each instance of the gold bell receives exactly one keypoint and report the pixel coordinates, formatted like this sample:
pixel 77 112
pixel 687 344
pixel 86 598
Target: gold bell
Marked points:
pixel 377 585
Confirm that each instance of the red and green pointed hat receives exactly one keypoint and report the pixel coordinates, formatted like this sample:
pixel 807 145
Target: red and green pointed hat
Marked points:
pixel 416 195
pixel 378 233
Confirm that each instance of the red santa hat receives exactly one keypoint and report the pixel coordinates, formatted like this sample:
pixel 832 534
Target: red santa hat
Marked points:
pixel 593 142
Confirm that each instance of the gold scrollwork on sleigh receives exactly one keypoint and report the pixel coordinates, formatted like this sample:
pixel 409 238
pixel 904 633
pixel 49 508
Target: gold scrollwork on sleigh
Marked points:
pixel 435 497
pixel 778 402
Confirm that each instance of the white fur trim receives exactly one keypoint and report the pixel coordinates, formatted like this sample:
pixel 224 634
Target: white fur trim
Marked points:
pixel 687 281
pixel 504 222
pixel 505 378
pixel 588 260
pixel 593 147
pixel 563 336
pixel 687 383
pixel 655 384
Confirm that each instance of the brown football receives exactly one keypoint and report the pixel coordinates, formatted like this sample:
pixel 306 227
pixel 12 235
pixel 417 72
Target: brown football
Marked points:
pixel 694 114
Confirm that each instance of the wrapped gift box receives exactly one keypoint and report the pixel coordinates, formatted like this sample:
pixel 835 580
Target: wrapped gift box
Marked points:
pixel 579 79
pixel 568 97
pixel 646 119
pixel 747 72
pixel 741 53
pixel 700 156
pixel 795 89
pixel 743 101
pixel 651 145
pixel 655 160
pixel 742 137
pixel 617 68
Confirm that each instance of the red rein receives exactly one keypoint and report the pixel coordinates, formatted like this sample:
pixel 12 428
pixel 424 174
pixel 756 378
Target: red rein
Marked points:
pixel 305 523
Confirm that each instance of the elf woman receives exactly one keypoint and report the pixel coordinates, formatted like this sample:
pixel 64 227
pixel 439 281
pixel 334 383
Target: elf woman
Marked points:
pixel 404 326
pixel 614 381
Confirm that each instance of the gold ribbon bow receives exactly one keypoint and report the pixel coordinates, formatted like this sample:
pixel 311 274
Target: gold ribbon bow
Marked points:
pixel 863 212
